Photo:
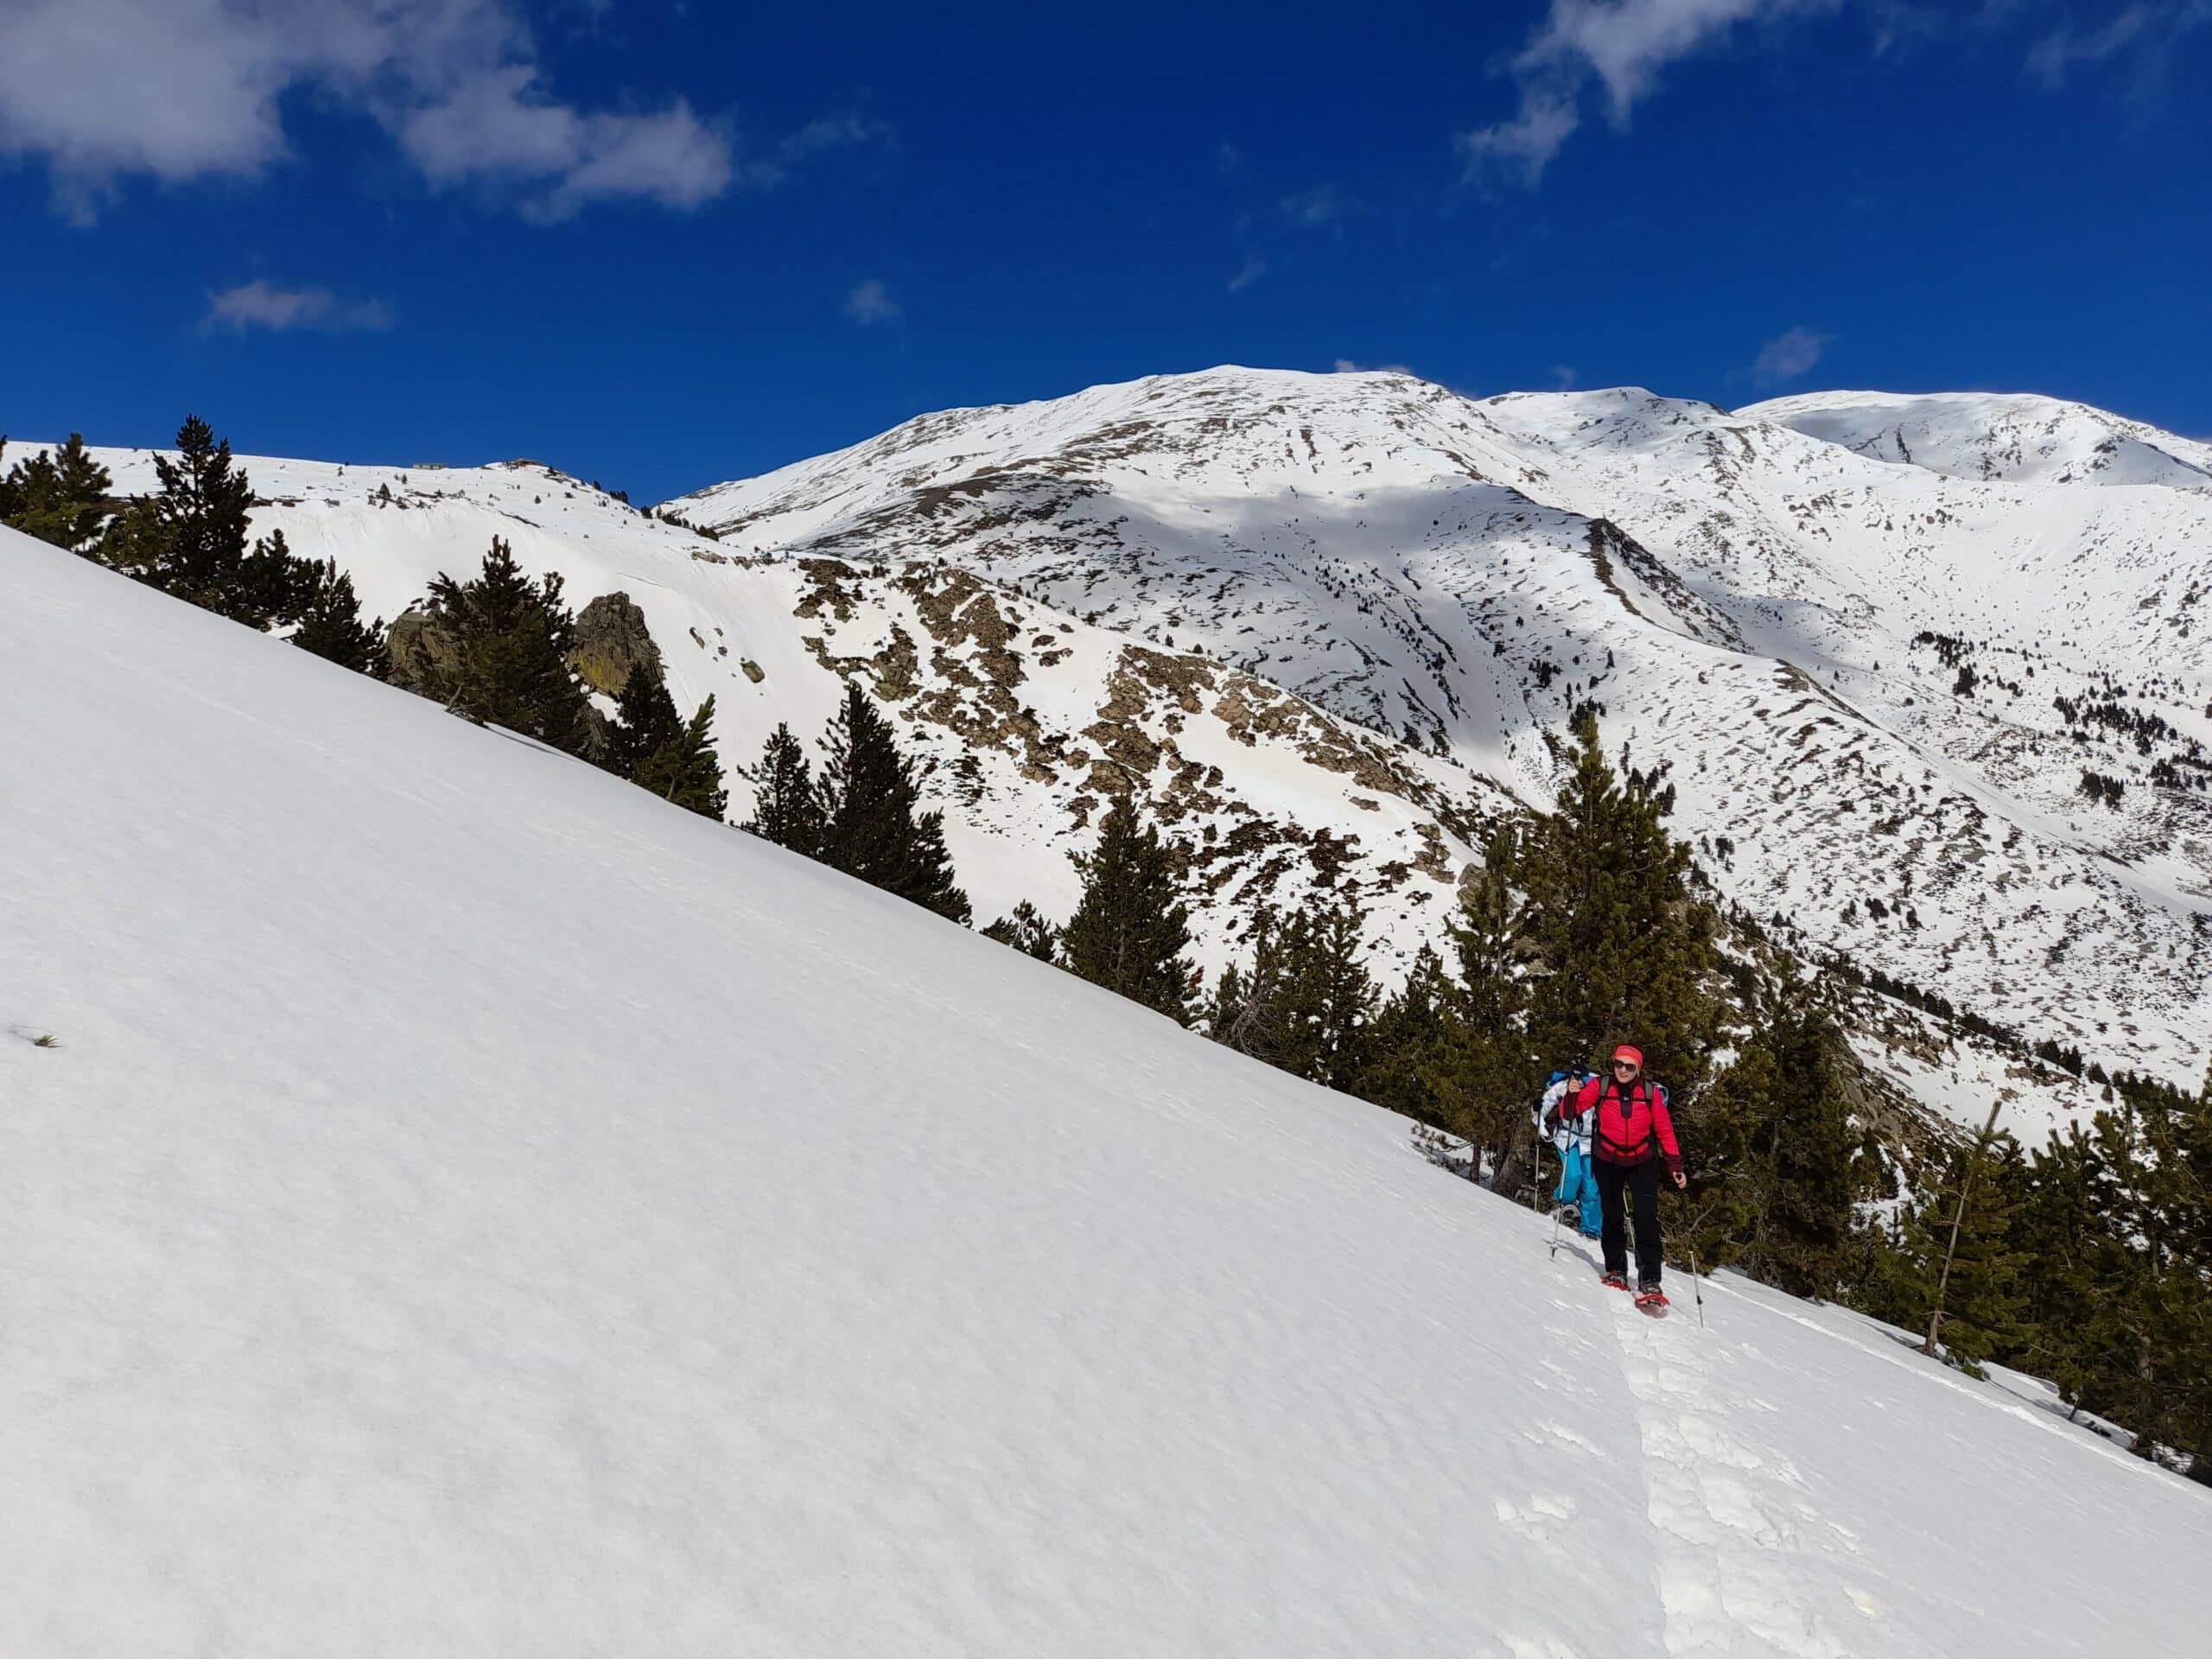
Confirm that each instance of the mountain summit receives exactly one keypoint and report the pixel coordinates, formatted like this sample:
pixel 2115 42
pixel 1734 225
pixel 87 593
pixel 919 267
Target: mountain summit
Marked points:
pixel 1878 689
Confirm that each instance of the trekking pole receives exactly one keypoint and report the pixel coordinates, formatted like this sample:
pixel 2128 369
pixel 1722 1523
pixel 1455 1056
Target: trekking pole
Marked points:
pixel 1558 1216
pixel 1697 1288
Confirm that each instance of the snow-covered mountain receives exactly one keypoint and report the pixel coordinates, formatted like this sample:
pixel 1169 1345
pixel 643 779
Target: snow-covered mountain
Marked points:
pixel 1983 437
pixel 1334 625
pixel 1779 620
pixel 1025 717
pixel 466 1206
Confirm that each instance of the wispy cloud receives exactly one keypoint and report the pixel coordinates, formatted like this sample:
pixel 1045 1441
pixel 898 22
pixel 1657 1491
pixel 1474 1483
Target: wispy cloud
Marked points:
pixel 870 302
pixel 1249 272
pixel 1589 55
pixel 1620 46
pixel 1323 207
pixel 1788 356
pixel 1524 146
pixel 2148 30
pixel 1562 377
pixel 180 90
pixel 258 304
pixel 817 137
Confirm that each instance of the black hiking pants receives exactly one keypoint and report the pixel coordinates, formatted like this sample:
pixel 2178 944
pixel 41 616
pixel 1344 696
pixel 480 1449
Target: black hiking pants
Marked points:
pixel 1619 1186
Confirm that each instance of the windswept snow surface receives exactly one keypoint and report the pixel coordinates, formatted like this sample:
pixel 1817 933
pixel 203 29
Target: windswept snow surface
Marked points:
pixel 474 1208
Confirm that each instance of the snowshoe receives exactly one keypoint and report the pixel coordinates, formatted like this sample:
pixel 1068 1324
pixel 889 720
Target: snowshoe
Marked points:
pixel 1652 1300
pixel 1615 1282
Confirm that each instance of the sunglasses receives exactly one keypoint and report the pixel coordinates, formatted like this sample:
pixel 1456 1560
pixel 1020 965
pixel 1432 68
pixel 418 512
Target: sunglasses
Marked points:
pixel 1625 1066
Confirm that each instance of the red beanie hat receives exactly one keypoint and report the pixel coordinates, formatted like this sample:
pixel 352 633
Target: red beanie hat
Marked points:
pixel 1631 1052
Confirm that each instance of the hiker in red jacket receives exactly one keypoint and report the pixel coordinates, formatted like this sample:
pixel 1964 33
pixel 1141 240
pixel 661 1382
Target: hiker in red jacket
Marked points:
pixel 1634 1132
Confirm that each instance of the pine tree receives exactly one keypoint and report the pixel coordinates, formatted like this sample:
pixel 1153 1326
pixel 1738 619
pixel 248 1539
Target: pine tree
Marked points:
pixel 1131 927
pixel 1027 932
pixel 331 626
pixel 1620 950
pixel 1960 1240
pixel 2153 1319
pixel 1486 1071
pixel 509 639
pixel 684 768
pixel 60 497
pixel 870 826
pixel 1333 998
pixel 1414 1034
pixel 786 805
pixel 268 585
pixel 1248 1011
pixel 1769 1152
pixel 1307 1005
pixel 2071 1261
pixel 646 723
pixel 189 539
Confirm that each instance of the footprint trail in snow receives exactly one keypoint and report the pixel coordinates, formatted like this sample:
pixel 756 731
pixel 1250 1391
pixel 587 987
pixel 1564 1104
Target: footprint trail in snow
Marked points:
pixel 1739 1543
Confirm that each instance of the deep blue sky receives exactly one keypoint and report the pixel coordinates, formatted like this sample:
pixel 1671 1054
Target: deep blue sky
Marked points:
pixel 871 211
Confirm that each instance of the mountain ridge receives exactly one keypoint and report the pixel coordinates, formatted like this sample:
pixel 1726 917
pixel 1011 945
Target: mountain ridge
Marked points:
pixel 1437 584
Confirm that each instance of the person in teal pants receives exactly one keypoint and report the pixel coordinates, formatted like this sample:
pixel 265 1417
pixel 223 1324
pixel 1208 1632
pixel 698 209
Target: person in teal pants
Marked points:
pixel 1570 1132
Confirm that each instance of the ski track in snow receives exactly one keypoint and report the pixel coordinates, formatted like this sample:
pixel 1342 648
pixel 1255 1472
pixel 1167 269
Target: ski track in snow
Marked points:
pixel 1739 1544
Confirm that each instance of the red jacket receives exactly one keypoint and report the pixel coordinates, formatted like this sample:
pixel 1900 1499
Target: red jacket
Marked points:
pixel 1633 1130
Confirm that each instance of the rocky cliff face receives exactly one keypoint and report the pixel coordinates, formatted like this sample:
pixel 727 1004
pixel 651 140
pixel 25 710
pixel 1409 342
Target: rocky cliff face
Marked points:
pixel 612 642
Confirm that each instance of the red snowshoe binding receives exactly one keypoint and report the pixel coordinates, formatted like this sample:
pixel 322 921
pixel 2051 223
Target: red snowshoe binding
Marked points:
pixel 1651 1299
pixel 1615 1281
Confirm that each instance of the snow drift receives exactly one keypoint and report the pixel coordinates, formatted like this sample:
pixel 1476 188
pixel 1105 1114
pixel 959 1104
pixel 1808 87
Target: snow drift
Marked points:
pixel 474 1208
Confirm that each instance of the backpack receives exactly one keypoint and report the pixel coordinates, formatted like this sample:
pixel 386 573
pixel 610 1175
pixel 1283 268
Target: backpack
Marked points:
pixel 1564 1128
pixel 1655 1100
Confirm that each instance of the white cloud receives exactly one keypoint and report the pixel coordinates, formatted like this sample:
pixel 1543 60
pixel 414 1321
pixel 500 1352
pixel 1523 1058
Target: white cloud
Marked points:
pixel 1627 42
pixel 1526 144
pixel 1249 272
pixel 178 89
pixel 257 304
pixel 1562 377
pixel 870 302
pixel 1622 45
pixel 498 129
pixel 1790 355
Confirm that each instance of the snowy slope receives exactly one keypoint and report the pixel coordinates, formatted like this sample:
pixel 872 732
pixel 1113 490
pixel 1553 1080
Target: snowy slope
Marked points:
pixel 1993 436
pixel 1741 600
pixel 474 1208
pixel 1025 718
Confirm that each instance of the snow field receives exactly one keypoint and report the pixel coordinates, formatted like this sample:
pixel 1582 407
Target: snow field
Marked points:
pixel 476 1208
